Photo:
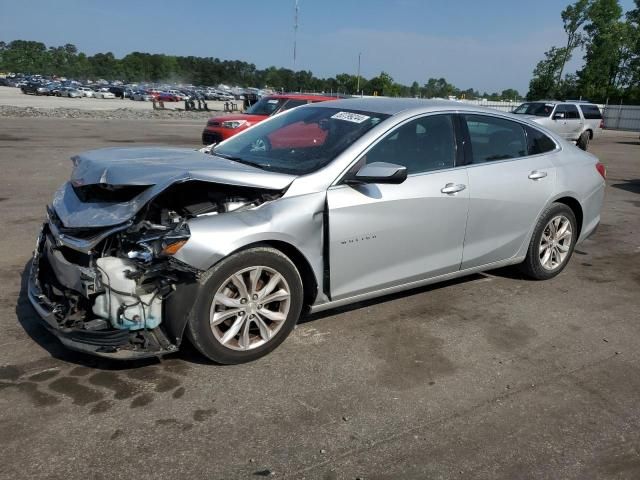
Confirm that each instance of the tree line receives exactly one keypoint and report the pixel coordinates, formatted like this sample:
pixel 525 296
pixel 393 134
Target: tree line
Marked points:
pixel 610 43
pixel 31 57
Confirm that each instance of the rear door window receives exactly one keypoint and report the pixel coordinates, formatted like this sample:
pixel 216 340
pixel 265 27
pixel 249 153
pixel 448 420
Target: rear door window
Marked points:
pixel 494 138
pixel 591 112
pixel 570 112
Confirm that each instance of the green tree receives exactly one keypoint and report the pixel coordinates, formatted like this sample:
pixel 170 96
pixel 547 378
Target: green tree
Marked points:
pixel 26 56
pixel 543 82
pixel 573 18
pixel 439 88
pixel 380 85
pixel 414 90
pixel 632 67
pixel 510 94
pixel 104 65
pixel 604 50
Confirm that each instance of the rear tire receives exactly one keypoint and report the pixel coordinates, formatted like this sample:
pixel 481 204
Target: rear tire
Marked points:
pixel 230 326
pixel 552 243
pixel 583 141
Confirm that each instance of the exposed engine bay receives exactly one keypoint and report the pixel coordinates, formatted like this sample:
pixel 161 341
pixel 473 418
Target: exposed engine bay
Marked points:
pixel 111 284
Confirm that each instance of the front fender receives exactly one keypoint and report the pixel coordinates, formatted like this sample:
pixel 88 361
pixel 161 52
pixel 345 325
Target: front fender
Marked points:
pixel 297 221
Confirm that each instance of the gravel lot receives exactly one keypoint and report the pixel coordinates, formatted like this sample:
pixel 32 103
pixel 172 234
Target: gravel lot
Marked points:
pixel 14 103
pixel 488 377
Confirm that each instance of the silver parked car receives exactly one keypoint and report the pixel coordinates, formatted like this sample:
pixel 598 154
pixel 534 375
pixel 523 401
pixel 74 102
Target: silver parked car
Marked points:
pixel 578 122
pixel 320 206
pixel 141 95
pixel 70 92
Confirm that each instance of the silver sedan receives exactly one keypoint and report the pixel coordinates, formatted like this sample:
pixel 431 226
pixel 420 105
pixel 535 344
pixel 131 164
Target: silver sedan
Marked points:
pixel 320 206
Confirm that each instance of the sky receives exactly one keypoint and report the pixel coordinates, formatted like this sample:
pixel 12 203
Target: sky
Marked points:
pixel 488 45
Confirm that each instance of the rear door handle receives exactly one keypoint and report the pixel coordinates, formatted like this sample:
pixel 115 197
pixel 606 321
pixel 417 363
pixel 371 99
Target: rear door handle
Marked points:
pixel 536 175
pixel 451 188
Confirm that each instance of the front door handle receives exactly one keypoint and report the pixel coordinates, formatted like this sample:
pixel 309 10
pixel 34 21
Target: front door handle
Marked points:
pixel 451 188
pixel 537 175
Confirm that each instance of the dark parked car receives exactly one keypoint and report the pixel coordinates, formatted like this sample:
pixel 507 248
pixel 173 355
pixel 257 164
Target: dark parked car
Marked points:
pixel 35 89
pixel 119 92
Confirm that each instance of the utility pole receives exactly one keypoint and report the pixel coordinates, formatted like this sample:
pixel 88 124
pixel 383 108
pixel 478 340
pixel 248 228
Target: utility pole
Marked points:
pixel 295 34
pixel 358 87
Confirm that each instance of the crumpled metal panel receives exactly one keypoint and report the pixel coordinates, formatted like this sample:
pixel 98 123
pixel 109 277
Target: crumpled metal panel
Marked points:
pixel 157 167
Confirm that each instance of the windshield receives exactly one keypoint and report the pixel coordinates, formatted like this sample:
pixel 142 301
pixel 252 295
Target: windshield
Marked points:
pixel 265 106
pixel 537 109
pixel 299 141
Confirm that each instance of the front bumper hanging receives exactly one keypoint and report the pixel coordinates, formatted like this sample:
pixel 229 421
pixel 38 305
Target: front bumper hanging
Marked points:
pixel 103 342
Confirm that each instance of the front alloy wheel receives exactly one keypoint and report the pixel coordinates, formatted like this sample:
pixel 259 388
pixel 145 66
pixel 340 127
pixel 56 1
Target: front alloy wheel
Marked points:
pixel 248 304
pixel 250 308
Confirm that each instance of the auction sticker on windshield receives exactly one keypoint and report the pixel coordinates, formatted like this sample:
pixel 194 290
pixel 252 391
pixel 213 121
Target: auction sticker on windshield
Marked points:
pixel 350 117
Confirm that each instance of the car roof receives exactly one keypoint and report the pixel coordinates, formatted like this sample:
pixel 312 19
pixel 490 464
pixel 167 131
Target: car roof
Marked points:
pixel 566 102
pixel 392 106
pixel 299 96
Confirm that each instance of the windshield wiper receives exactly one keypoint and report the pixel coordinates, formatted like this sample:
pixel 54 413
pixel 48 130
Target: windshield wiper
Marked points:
pixel 239 160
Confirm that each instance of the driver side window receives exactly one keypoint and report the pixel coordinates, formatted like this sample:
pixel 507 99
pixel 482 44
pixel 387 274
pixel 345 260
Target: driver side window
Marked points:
pixel 422 145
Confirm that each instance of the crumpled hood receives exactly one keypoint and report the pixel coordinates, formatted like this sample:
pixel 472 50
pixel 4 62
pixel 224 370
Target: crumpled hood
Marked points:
pixel 156 167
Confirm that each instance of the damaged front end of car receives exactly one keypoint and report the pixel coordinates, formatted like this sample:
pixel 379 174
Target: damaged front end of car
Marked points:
pixel 104 275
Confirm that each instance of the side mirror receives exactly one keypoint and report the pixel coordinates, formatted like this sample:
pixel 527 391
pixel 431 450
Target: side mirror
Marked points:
pixel 379 172
pixel 558 116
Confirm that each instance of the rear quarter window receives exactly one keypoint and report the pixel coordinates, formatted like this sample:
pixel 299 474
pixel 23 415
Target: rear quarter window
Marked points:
pixel 591 112
pixel 538 142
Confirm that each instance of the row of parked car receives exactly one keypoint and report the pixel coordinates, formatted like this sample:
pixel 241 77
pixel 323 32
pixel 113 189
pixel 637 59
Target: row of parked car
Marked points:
pixel 73 91
pixel 39 85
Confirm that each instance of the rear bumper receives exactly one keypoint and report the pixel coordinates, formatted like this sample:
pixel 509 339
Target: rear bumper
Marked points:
pixel 591 208
pixel 107 342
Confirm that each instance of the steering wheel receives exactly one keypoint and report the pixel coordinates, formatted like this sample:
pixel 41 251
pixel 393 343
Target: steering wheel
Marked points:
pixel 261 144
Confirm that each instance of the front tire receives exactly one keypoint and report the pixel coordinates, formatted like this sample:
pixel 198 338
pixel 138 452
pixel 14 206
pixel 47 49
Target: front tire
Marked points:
pixel 248 305
pixel 583 141
pixel 552 243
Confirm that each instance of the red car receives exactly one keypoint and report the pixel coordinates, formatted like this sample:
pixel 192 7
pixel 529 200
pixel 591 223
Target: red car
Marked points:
pixel 167 97
pixel 225 126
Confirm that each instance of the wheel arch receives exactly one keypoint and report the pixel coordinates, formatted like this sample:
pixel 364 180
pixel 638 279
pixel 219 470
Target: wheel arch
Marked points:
pixel 575 207
pixel 566 198
pixel 179 307
pixel 309 282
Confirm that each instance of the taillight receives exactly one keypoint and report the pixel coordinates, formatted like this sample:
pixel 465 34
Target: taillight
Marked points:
pixel 601 170
pixel 602 123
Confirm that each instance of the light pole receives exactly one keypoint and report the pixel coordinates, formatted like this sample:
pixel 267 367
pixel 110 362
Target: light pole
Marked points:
pixel 358 82
pixel 295 34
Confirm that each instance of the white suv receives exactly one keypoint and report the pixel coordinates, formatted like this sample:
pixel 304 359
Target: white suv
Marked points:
pixel 578 122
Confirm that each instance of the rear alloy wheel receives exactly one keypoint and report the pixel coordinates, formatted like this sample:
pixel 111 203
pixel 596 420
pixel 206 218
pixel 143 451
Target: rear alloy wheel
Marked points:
pixel 583 141
pixel 249 303
pixel 552 243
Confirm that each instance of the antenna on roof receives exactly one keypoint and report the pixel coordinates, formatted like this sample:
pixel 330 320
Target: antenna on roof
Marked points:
pixel 295 34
